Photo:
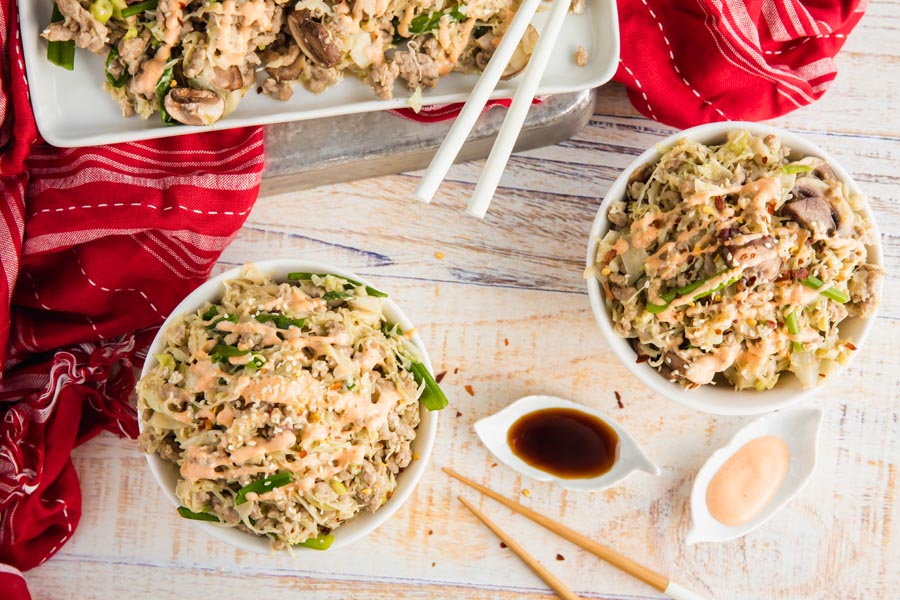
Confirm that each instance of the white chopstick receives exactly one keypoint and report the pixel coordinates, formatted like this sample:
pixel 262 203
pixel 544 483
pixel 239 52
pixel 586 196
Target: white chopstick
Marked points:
pixel 469 114
pixel 518 110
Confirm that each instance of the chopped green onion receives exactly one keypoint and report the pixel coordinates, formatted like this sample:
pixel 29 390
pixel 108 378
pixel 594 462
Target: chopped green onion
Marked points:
pixel 389 329
pixel 162 90
pixel 122 79
pixel 329 296
pixel 118 7
pixel 369 289
pixel 813 282
pixel 262 486
pixel 61 53
pixel 102 10
pixel 281 321
pixel 658 308
pixel 165 360
pixel 221 353
pixel 433 397
pixel 790 319
pixel 322 541
pixel 687 289
pixel 431 21
pixel 139 8
pixel 833 293
pixel 718 288
pixel 794 168
pixel 836 295
pixel 189 514
pixel 225 317
pixel 256 362
pixel 210 313
pixel 350 384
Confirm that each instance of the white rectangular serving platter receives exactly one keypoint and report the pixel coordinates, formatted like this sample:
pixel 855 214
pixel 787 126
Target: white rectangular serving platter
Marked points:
pixel 71 108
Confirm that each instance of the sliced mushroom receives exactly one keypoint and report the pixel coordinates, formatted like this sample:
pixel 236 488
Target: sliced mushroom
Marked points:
pixel 824 171
pixel 809 207
pixel 279 56
pixel 193 106
pixel 673 366
pixel 290 71
pixel 313 39
pixel 228 79
pixel 759 256
pixel 522 54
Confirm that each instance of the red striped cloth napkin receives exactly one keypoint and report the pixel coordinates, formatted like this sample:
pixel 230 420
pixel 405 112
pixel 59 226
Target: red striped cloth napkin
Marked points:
pixel 687 63
pixel 97 245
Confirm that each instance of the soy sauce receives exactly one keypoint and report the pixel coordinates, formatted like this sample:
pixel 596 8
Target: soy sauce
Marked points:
pixel 564 442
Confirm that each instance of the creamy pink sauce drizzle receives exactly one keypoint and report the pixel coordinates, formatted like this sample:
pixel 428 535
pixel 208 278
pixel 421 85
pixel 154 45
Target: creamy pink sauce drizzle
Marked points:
pixel 145 82
pixel 748 480
pixel 234 45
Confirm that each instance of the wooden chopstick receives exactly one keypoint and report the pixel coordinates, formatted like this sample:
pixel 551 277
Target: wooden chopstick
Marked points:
pixel 552 580
pixel 648 576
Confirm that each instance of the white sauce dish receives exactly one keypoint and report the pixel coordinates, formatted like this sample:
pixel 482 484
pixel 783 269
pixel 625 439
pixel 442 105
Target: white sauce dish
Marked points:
pixel 798 429
pixel 627 456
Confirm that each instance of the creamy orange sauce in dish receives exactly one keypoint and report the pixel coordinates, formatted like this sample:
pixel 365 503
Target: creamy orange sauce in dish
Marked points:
pixel 749 479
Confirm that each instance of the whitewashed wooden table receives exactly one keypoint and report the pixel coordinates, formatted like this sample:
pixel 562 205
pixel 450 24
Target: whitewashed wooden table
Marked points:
pixel 503 310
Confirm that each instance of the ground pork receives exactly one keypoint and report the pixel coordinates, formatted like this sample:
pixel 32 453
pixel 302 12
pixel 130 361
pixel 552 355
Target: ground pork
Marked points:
pixel 382 78
pixel 78 25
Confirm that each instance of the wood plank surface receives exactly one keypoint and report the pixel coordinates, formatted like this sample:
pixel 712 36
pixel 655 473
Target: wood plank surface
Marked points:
pixel 504 310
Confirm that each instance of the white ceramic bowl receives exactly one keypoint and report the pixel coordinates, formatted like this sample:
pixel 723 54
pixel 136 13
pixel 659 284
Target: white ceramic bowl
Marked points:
pixel 364 523
pixel 719 399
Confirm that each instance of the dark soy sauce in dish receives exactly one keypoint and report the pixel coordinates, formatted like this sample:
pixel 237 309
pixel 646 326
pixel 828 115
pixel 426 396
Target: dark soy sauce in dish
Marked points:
pixel 564 442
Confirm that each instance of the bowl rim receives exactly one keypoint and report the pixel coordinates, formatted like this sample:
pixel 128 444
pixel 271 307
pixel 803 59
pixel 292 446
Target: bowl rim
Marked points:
pixel 765 401
pixel 423 444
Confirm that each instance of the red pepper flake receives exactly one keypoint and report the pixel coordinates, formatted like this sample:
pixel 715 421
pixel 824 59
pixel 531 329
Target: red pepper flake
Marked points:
pixel 800 274
pixel 303 454
pixel 610 255
pixel 560 557
pixel 770 208
pixel 606 289
pixel 259 90
pixel 642 358
pixel 458 414
pixel 506 341
pixel 493 465
pixel 469 389
pixel 822 375
pixel 440 376
pixel 502 545
pixel 618 399
pixel 456 370
pixel 720 203
pixel 765 159
pixel 430 531
pixel 433 564
pixel 850 346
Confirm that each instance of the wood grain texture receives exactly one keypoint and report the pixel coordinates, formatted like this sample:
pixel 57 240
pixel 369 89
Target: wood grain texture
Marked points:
pixel 505 312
